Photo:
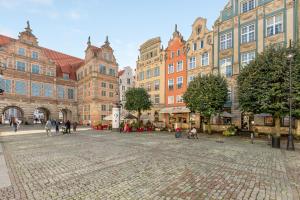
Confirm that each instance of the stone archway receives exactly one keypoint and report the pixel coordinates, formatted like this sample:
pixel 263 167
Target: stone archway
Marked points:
pixel 65 115
pixel 41 115
pixel 12 113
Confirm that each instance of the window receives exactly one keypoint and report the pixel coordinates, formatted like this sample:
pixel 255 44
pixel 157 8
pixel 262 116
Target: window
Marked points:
pixel 21 52
pixel 103 84
pixel 123 88
pixel 70 93
pixel 246 58
pixel 171 68
pixel 191 78
pixel 205 59
pixel 148 73
pixel 60 92
pixel 247 5
pixel 102 69
pixel 201 44
pixel 179 99
pixel 226 41
pixel 248 33
pixel 171 84
pixel 66 76
pixel 102 117
pixel 128 81
pixel 192 62
pixel 35 69
pixel 50 73
pixel 179 66
pixel 103 107
pixel 229 95
pixel 21 66
pixel 34 55
pixel 103 93
pixel 274 25
pixel 6 86
pixel 141 76
pixel 111 94
pixel 226 67
pixel 156 99
pixel 21 87
pixel 111 86
pixel 194 46
pixel 172 54
pixel 178 52
pixel 156 71
pixel 149 87
pixel 36 89
pixel 112 72
pixel 156 85
pixel 179 82
pixel 48 91
pixel 170 99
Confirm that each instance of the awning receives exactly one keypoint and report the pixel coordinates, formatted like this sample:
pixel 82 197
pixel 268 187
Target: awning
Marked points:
pixel 263 115
pixel 174 110
pixel 108 118
pixel 123 116
pixel 226 114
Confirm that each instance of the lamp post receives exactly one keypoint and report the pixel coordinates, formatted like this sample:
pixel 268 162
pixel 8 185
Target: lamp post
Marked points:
pixel 290 142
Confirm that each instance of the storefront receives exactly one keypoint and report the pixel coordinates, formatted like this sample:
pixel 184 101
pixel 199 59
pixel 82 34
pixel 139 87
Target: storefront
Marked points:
pixel 176 117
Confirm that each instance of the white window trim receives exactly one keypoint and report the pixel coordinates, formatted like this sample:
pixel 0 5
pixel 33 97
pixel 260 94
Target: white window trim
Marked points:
pixel 248 33
pixel 207 59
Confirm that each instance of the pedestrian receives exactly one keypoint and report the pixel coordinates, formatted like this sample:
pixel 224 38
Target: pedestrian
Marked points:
pixel 15 125
pixel 48 128
pixel 68 127
pixel 74 126
pixel 57 127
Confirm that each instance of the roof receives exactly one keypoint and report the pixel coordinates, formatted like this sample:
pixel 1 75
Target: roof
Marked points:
pixel 121 72
pixel 65 63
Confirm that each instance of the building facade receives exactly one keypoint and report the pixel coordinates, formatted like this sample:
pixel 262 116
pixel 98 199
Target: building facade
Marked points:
pixel 126 81
pixel 150 74
pixel 41 83
pixel 175 113
pixel 245 29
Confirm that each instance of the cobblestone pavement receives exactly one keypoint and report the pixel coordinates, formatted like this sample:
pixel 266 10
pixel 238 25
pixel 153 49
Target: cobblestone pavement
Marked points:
pixel 94 165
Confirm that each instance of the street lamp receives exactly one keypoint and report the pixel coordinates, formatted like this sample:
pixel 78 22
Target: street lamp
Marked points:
pixel 290 142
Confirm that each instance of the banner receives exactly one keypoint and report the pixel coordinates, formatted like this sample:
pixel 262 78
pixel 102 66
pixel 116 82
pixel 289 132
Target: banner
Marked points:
pixel 115 118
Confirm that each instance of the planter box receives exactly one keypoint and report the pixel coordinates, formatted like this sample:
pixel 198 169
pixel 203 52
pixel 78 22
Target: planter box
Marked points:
pixel 275 142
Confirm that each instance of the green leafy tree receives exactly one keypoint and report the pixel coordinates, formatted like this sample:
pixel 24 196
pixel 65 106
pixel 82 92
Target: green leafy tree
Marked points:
pixel 206 95
pixel 138 100
pixel 263 85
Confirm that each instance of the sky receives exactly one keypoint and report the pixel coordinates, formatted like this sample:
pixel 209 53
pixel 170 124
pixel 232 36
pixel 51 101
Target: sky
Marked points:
pixel 64 25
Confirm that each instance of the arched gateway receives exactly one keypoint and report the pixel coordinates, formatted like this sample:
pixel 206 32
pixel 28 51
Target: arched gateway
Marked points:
pixel 41 115
pixel 11 113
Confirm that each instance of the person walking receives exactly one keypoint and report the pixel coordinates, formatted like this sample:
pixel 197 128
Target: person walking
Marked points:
pixel 15 125
pixel 48 127
pixel 68 127
pixel 57 127
pixel 75 126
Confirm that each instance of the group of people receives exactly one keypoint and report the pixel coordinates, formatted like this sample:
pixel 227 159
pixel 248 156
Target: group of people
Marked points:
pixel 66 128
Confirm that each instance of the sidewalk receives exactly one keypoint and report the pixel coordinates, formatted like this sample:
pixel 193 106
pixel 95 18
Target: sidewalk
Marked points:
pixel 30 129
pixel 4 177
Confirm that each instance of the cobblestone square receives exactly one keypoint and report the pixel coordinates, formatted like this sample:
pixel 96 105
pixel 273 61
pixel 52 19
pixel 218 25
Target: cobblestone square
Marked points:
pixel 95 165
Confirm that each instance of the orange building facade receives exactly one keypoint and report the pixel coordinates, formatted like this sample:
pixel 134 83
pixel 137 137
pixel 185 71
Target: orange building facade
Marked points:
pixel 176 114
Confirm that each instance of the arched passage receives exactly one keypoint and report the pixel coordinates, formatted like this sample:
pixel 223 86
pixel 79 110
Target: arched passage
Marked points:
pixel 65 115
pixel 41 115
pixel 11 113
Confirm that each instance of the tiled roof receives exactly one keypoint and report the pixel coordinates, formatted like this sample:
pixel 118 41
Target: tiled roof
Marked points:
pixel 65 63
pixel 121 72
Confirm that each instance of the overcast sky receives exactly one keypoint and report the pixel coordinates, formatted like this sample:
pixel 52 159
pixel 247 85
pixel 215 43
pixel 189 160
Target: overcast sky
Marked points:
pixel 64 25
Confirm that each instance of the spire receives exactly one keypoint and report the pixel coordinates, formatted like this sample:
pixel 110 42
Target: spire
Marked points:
pixel 176 28
pixel 106 41
pixel 28 29
pixel 89 41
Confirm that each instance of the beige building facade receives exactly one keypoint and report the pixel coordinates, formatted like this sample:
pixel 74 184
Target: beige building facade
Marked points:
pixel 244 29
pixel 150 74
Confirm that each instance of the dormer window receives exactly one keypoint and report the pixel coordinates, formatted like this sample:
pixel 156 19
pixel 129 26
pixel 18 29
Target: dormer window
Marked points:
pixel 247 5
pixel 66 76
pixel 21 52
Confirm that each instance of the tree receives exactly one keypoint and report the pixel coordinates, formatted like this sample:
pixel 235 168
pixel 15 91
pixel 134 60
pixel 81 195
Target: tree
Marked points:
pixel 263 85
pixel 206 95
pixel 137 99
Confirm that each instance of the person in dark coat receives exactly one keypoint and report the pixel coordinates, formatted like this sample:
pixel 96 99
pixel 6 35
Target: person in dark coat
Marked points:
pixel 57 126
pixel 68 126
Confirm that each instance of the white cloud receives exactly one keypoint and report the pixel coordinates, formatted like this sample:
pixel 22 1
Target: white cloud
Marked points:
pixel 74 15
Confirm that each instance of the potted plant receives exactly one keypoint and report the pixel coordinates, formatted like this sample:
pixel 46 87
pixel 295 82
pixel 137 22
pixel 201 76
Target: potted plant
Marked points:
pixel 231 131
